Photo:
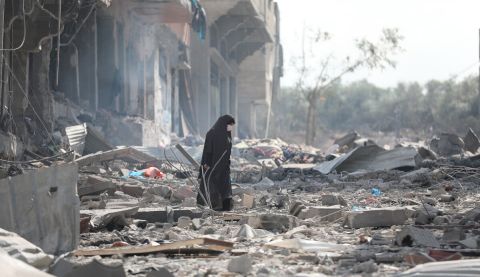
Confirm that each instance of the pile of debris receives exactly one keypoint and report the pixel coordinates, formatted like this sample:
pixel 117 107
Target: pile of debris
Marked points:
pixel 358 209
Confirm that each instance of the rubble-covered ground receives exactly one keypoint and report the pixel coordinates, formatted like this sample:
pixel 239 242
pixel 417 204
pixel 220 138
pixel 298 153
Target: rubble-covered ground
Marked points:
pixel 356 209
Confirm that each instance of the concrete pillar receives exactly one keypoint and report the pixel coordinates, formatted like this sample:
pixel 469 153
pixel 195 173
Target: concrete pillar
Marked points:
pixel 86 42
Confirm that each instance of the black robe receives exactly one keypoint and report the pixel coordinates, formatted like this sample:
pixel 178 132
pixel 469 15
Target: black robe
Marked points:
pixel 216 155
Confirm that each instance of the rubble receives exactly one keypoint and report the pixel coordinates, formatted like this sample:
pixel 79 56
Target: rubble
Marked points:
pixel 301 221
pixel 381 217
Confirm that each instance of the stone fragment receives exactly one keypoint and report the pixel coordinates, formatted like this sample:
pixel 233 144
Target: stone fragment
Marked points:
pixel 440 220
pixel 382 217
pixel 23 250
pixel 472 143
pixel 410 236
pixel 447 144
pixel 425 214
pixel 296 208
pixel 365 267
pixel 95 185
pixel 248 201
pixel 242 265
pixel 329 214
pixel 333 200
pixel 184 222
pixel 197 223
pixel 471 242
pixel 271 222
pixel 246 232
pixel 160 272
pixel 453 235
pixel 182 193
pixel 135 190
pixel 446 198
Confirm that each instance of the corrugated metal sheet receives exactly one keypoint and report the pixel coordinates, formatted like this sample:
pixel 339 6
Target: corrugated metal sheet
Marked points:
pixel 76 137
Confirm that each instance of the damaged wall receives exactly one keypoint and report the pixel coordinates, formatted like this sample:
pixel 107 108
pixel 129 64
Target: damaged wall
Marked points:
pixel 43 207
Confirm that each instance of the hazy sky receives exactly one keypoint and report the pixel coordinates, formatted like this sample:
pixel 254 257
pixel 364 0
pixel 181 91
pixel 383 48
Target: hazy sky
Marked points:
pixel 441 36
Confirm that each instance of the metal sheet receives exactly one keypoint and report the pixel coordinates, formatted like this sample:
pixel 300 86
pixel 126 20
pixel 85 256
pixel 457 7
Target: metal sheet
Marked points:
pixel 76 137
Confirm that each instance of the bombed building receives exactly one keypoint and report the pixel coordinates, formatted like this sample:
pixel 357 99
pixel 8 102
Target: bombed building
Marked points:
pixel 136 71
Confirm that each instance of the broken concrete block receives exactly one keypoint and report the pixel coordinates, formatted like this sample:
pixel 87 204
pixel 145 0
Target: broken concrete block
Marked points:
pixel 453 235
pixel 332 200
pixel 110 218
pixel 472 143
pixel 12 267
pixel 163 191
pixel 331 213
pixel 365 267
pixel 271 222
pixel 410 236
pixel 296 208
pixel 197 223
pixel 248 201
pixel 184 222
pixel 65 268
pixel 42 206
pixel 382 217
pixel 23 250
pixel 154 215
pixel 471 215
pixel 440 220
pixel 425 214
pixel 95 185
pixel 446 198
pixel 135 190
pixel 242 265
pixel 471 242
pixel 182 193
pixel 447 144
pixel 246 232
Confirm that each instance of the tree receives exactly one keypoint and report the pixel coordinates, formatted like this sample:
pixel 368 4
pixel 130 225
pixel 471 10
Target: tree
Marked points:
pixel 317 75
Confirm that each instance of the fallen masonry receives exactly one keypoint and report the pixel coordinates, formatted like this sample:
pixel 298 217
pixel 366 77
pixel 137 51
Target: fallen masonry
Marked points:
pixel 359 218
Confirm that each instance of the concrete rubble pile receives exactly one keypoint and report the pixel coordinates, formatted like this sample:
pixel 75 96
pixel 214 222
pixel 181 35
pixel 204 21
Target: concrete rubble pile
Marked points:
pixel 356 209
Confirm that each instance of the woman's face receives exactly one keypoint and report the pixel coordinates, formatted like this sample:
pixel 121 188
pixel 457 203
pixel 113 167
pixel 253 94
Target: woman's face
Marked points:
pixel 229 127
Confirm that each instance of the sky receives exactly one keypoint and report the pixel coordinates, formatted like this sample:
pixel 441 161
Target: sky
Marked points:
pixel 441 37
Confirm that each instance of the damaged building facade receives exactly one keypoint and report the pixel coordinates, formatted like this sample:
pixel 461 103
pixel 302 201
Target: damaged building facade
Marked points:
pixel 137 71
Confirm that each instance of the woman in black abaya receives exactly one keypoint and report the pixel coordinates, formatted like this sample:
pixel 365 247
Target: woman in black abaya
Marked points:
pixel 215 185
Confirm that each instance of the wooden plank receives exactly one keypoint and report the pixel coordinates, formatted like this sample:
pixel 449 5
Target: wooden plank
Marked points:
pixel 204 243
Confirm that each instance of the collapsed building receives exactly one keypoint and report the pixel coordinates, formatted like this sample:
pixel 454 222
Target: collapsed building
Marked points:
pixel 137 71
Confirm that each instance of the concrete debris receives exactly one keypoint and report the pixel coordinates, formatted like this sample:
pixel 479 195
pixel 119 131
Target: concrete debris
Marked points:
pixel 410 236
pixel 323 248
pixel 12 267
pixel 472 143
pixel 42 206
pixel 447 144
pixel 95 268
pixel 288 217
pixel 242 265
pixel 381 217
pixel 330 213
pixel 23 250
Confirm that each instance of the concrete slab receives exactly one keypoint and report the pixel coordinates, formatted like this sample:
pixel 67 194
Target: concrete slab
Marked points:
pixel 329 213
pixel 384 217
pixel 153 215
pixel 410 236
pixel 42 206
